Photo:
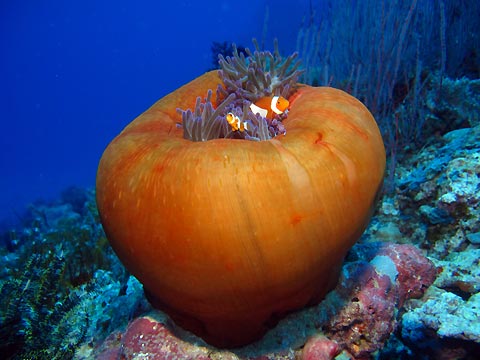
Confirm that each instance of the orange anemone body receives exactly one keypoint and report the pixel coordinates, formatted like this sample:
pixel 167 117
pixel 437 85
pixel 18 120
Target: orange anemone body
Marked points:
pixel 227 235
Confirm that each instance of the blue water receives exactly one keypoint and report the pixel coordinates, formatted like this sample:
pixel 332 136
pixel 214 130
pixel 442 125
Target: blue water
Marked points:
pixel 73 74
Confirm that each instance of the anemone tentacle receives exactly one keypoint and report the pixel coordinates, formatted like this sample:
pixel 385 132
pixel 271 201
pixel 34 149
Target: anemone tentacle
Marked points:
pixel 259 74
pixel 205 123
pixel 245 80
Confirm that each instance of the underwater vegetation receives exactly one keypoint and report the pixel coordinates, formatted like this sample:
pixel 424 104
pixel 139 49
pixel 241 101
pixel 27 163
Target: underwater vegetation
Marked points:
pixel 387 54
pixel 61 269
pixel 207 221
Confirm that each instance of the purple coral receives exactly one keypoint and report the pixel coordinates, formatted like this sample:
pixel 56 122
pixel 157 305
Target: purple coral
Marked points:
pixel 371 292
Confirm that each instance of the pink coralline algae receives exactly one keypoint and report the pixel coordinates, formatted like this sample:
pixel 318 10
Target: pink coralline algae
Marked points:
pixel 319 348
pixel 355 319
pixel 147 337
pixel 370 294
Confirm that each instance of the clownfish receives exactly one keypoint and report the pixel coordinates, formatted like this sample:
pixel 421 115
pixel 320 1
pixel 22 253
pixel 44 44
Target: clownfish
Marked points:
pixel 268 106
pixel 236 123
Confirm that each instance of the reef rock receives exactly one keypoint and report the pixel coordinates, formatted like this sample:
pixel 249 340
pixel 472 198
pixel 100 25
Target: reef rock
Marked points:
pixel 436 205
pixel 355 319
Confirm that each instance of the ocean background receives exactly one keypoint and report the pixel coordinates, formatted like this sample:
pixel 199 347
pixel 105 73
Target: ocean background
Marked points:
pixel 74 74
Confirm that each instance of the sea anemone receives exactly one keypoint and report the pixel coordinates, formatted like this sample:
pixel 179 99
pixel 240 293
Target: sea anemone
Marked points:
pixel 205 122
pixel 260 74
pixel 244 81
pixel 228 235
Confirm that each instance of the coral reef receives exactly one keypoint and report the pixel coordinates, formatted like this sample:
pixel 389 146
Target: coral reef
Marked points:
pixel 447 314
pixel 447 320
pixel 370 294
pixel 319 348
pixel 440 106
pixel 61 285
pixel 436 206
pixel 438 193
pixel 33 305
pixel 453 104
pixel 355 319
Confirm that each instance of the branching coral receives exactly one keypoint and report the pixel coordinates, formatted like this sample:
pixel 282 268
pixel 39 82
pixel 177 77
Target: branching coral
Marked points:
pixel 245 80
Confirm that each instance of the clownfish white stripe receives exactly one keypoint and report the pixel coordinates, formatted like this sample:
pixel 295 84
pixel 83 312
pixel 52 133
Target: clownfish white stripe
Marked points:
pixel 273 105
pixel 258 110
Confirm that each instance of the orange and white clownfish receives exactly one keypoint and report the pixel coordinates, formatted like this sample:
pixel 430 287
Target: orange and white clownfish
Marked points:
pixel 236 123
pixel 268 106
